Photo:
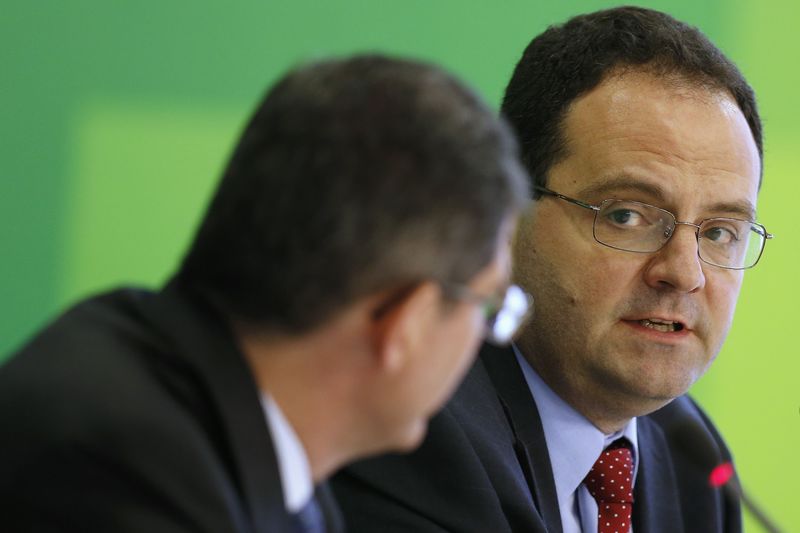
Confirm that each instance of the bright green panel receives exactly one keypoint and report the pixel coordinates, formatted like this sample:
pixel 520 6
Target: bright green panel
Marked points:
pixel 142 176
pixel 752 390
pixel 763 39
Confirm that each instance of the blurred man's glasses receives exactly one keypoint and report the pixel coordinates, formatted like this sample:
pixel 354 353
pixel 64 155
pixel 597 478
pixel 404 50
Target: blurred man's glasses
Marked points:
pixel 505 312
pixel 631 226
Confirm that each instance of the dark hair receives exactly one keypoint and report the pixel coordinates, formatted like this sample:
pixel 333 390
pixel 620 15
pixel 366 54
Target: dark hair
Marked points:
pixel 569 60
pixel 354 176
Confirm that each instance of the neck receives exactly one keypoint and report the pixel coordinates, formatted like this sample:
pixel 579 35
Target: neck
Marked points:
pixel 307 376
pixel 607 413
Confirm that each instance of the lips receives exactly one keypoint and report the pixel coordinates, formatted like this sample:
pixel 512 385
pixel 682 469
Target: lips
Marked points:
pixel 665 326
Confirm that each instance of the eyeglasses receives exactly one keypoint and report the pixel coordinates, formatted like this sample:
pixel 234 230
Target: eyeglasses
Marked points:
pixel 631 226
pixel 505 312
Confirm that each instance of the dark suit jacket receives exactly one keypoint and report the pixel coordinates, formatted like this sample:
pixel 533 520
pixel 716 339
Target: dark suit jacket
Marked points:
pixel 484 466
pixel 135 412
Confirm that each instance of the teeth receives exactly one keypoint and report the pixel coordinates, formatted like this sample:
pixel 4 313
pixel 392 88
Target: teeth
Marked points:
pixel 659 325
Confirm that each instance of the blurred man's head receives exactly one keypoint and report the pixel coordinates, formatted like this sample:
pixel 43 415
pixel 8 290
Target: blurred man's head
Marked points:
pixel 365 198
pixel 352 177
pixel 629 104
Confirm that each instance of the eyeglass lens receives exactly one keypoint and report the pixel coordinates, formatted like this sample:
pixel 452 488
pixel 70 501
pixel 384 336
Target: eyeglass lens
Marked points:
pixel 504 322
pixel 638 227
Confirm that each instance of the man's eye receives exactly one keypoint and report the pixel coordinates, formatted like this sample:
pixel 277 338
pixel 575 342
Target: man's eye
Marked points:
pixel 626 217
pixel 720 235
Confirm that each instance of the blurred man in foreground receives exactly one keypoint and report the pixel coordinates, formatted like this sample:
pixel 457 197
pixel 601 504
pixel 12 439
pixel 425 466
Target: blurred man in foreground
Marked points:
pixel 354 255
pixel 645 146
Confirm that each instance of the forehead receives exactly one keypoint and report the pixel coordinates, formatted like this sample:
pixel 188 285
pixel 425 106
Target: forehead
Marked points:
pixel 681 145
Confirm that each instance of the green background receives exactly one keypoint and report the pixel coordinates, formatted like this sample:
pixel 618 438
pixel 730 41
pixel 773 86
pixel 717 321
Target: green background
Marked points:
pixel 116 118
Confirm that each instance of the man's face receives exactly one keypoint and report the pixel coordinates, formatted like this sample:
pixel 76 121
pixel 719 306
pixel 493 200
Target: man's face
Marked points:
pixel 635 137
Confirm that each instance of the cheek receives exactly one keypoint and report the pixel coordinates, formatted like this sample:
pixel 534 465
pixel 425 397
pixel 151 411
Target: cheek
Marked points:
pixel 723 292
pixel 467 337
pixel 461 344
pixel 563 252
pixel 588 280
pixel 611 277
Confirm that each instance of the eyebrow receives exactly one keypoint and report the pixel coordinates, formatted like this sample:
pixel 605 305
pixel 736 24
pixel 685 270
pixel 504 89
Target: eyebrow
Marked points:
pixel 741 208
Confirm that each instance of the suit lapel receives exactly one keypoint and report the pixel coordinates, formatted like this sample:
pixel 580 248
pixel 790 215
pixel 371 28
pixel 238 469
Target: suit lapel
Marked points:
pixel 703 508
pixel 330 510
pixel 523 417
pixel 656 507
pixel 201 337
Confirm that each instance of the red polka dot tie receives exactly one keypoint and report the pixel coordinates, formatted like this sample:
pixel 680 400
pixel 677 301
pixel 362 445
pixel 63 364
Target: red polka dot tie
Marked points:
pixel 610 482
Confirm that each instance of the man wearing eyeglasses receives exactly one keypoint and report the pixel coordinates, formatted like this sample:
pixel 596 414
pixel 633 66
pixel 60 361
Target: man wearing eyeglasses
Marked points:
pixel 645 146
pixel 329 304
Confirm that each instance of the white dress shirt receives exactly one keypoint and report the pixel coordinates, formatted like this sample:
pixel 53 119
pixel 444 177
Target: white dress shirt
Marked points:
pixel 574 444
pixel 295 472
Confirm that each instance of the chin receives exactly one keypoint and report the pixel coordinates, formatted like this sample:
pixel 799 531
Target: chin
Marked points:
pixel 412 437
pixel 660 395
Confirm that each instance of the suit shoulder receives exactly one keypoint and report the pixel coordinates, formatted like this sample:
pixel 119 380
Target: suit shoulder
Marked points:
pixel 447 484
pixel 100 374
pixel 97 408
pixel 683 411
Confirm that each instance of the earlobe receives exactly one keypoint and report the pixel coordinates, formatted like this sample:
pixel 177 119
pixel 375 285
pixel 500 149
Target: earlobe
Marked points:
pixel 400 329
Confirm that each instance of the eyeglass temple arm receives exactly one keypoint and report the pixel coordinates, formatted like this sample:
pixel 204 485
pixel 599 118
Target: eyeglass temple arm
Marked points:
pixel 765 234
pixel 545 190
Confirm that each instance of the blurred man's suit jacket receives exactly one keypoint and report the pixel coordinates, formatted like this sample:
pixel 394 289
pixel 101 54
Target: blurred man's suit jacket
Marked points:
pixel 135 412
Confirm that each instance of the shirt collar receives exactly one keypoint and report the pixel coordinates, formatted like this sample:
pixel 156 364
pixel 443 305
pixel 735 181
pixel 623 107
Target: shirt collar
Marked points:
pixel 573 443
pixel 296 481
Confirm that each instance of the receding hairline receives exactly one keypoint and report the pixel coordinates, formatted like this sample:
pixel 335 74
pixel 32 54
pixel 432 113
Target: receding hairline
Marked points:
pixel 683 84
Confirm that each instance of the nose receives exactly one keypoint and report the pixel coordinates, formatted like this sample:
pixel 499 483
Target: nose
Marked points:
pixel 677 265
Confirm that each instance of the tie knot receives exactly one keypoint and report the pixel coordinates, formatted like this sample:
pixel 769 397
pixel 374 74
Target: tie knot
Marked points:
pixel 611 478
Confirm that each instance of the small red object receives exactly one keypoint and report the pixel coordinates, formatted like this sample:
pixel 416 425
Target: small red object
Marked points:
pixel 721 475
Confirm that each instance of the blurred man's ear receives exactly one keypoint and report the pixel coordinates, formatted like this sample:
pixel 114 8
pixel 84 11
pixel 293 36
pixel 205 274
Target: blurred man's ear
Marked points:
pixel 402 323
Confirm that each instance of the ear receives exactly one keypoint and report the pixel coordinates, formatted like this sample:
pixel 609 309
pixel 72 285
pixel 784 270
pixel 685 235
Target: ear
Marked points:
pixel 402 325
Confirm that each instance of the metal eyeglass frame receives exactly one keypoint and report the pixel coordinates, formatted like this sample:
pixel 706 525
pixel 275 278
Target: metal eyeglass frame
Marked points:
pixel 596 208
pixel 497 309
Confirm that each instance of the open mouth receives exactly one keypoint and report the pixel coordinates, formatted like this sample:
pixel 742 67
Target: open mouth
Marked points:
pixel 666 326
